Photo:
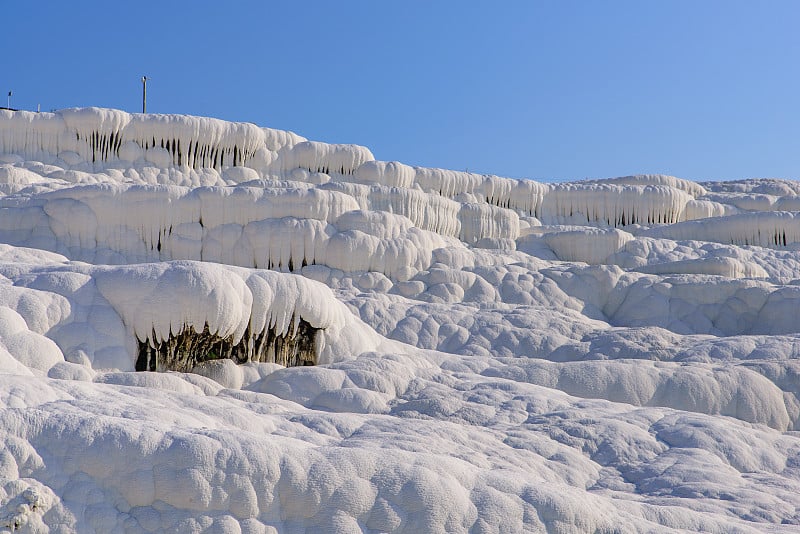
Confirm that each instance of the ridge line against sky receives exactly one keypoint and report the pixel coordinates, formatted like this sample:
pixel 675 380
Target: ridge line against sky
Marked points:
pixel 543 90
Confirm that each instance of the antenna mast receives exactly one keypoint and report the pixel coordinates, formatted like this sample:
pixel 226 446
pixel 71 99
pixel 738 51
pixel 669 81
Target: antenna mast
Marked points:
pixel 144 94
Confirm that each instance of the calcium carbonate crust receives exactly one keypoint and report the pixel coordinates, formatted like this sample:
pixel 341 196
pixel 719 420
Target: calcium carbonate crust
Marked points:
pixel 494 355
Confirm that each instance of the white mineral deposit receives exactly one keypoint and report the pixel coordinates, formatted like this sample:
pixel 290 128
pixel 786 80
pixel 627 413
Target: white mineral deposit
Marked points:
pixel 209 326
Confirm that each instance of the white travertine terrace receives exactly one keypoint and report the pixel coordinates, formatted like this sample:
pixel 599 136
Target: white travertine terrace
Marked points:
pixel 350 345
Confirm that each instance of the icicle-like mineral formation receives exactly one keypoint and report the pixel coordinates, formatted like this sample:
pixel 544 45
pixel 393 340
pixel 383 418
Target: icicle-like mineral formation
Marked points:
pixel 184 350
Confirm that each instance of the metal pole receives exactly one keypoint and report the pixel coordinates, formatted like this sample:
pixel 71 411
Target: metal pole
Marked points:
pixel 144 94
pixel 9 100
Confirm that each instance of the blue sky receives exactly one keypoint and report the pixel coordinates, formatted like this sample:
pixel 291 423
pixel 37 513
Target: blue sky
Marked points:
pixel 551 90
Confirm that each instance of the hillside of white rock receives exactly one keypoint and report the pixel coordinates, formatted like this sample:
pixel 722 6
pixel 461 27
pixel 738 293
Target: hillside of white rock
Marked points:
pixel 216 327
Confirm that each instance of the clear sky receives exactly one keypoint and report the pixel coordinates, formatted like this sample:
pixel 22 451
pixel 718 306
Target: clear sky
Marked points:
pixel 548 90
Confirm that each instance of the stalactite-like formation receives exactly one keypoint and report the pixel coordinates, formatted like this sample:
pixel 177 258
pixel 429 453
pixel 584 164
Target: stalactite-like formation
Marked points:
pixel 183 351
pixel 773 229
pixel 100 136
pixel 614 205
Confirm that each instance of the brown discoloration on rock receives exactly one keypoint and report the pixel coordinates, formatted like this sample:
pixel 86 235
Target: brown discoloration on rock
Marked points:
pixel 181 352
